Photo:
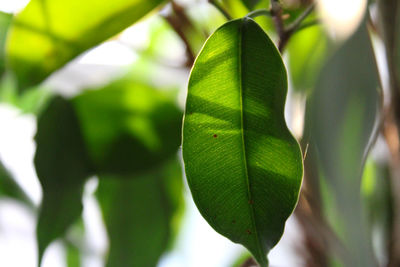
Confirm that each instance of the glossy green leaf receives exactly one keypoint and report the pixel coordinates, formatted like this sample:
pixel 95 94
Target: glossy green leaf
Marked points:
pixel 128 126
pixel 5 21
pixel 62 167
pixel 139 214
pixel 49 33
pixel 342 112
pixel 243 166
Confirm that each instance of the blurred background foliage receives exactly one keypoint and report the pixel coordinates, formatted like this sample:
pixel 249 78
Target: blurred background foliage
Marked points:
pixel 107 97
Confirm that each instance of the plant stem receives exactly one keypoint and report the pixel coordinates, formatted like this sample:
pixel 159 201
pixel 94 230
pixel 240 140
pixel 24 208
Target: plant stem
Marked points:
pixel 286 33
pixel 276 12
pixel 259 12
pixel 296 24
pixel 221 9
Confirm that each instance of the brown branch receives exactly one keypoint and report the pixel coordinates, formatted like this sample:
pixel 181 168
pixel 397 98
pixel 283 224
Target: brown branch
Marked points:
pixel 389 10
pixel 180 23
pixel 285 33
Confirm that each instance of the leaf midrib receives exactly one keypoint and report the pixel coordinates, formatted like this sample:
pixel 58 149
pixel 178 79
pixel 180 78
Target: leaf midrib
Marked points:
pixel 249 194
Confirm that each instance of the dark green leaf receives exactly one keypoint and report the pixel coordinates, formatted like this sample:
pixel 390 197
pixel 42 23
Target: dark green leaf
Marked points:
pixel 5 21
pixel 342 114
pixel 139 215
pixel 47 34
pixel 128 126
pixel 243 166
pixel 10 188
pixel 62 167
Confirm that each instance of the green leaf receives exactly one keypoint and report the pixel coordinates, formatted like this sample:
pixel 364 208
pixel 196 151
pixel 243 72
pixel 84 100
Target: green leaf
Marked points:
pixel 378 200
pixel 47 34
pixel 307 54
pixel 139 214
pixel 73 256
pixel 5 21
pixel 128 126
pixel 243 166
pixel 253 4
pixel 342 112
pixel 236 9
pixel 11 189
pixel 62 167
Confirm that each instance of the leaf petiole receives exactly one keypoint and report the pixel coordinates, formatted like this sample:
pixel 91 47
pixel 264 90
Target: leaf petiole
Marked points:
pixel 259 12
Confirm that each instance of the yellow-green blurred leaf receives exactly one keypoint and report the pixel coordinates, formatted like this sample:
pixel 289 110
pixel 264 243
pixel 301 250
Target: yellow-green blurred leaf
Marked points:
pixel 49 33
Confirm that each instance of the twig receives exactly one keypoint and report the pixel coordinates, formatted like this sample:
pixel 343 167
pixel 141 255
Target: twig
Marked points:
pixel 276 12
pixel 259 12
pixel 179 23
pixel 285 35
pixel 296 24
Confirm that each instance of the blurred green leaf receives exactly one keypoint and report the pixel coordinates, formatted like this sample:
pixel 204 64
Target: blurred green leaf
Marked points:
pixel 342 112
pixel 47 34
pixel 5 21
pixel 73 256
pixel 377 198
pixel 243 166
pixel 11 189
pixel 139 213
pixel 32 100
pixel 128 126
pixel 236 9
pixel 251 4
pixel 307 53
pixel 243 259
pixel 62 166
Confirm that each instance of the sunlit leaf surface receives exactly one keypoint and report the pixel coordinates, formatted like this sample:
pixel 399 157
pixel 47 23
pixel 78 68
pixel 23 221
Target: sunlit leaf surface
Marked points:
pixel 243 166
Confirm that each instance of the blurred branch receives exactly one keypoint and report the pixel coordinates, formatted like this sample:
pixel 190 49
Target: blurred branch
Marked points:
pixel 389 12
pixel 250 262
pixel 319 239
pixel 179 22
pixel 285 33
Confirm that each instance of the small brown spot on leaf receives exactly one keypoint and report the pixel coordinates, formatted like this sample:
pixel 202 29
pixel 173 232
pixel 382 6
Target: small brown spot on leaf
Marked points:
pixel 215 136
pixel 248 231
pixel 251 202
pixel 233 221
